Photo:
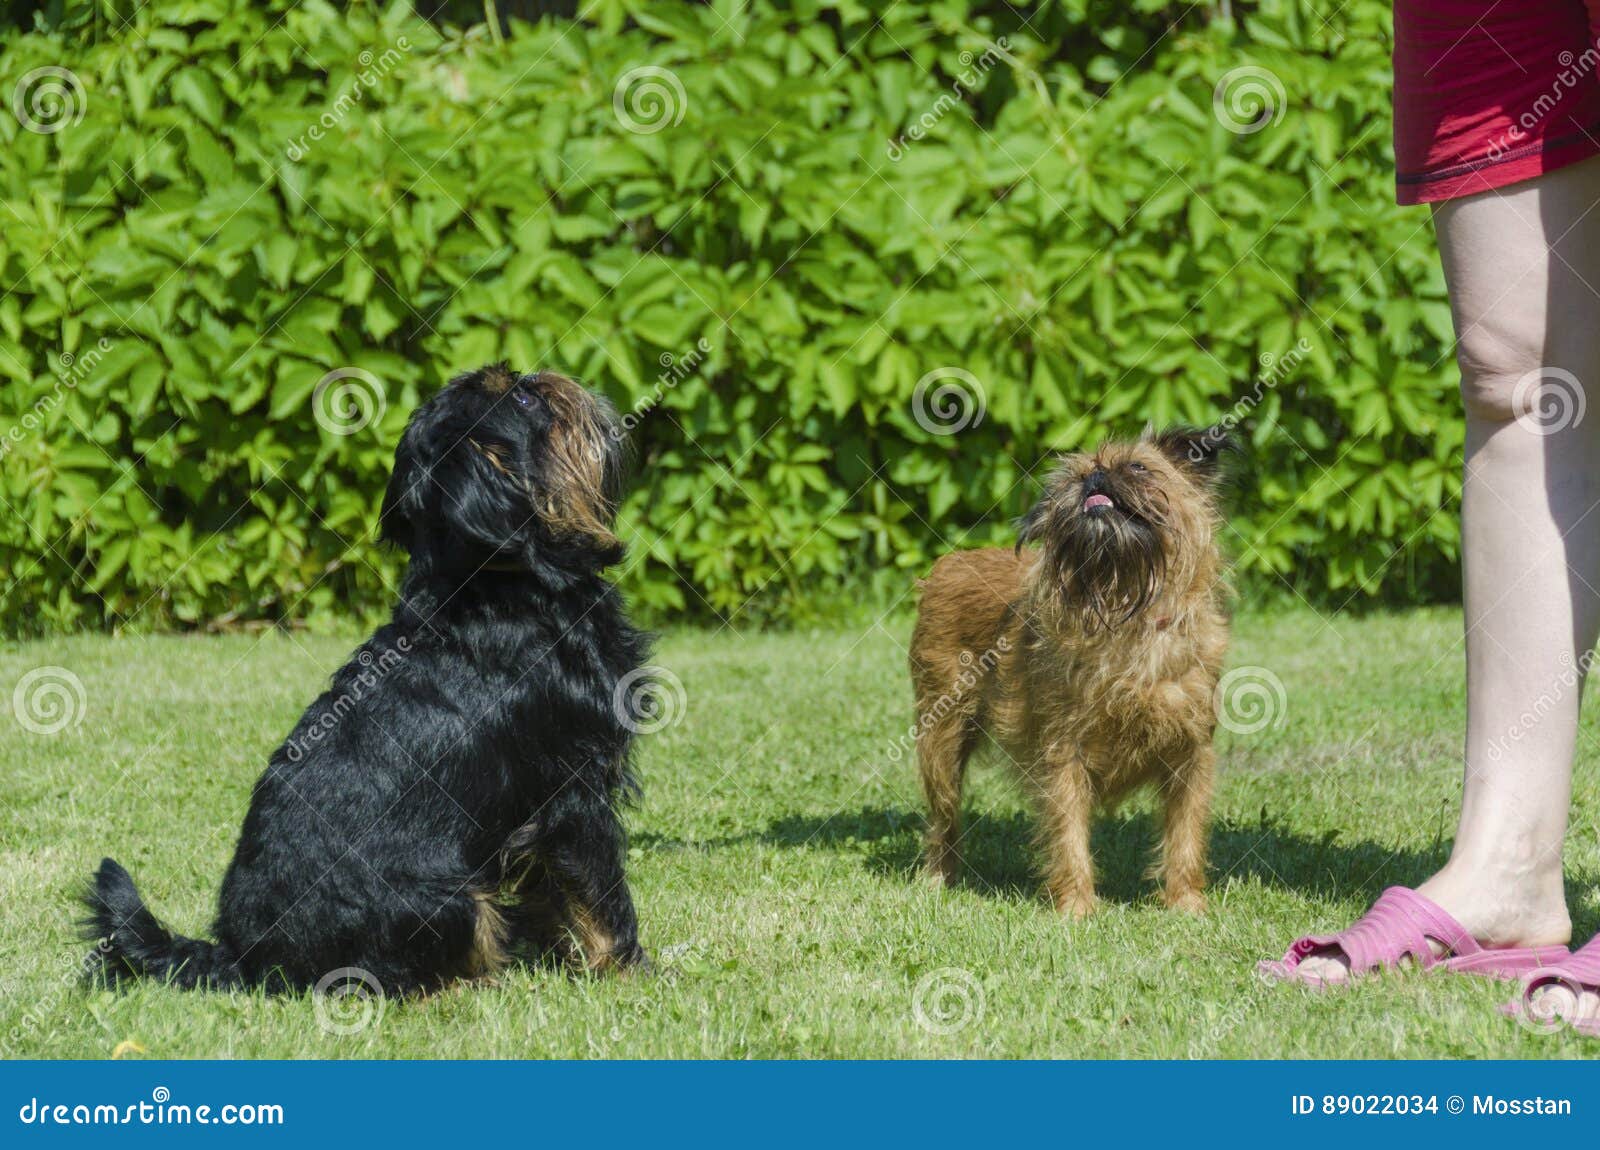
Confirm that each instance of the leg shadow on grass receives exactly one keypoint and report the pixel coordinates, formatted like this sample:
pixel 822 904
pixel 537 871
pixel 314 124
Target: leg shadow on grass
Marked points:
pixel 1000 859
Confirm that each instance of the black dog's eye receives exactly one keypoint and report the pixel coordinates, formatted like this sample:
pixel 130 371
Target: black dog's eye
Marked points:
pixel 523 398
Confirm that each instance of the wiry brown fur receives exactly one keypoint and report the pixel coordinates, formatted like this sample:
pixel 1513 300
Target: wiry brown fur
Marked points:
pixel 582 498
pixel 580 495
pixel 1090 662
pixel 490 935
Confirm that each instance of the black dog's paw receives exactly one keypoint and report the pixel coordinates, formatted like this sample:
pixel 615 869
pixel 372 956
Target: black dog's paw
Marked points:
pixel 622 962
pixel 637 964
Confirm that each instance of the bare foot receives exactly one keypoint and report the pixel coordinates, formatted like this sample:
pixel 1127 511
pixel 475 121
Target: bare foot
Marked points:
pixel 1496 913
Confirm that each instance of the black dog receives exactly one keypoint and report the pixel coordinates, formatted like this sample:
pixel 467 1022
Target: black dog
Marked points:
pixel 453 798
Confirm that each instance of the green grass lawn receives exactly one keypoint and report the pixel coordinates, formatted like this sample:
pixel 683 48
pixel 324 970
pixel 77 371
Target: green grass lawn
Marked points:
pixel 773 860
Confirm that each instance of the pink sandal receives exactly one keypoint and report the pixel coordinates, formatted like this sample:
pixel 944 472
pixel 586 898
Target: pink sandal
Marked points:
pixel 1399 926
pixel 1579 972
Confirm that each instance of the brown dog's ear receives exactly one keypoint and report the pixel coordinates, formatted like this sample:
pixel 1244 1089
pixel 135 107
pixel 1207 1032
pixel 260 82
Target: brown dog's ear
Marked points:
pixel 1200 449
pixel 1031 525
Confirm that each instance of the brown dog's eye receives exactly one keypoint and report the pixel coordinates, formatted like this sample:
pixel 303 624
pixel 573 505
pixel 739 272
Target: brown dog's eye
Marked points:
pixel 1137 467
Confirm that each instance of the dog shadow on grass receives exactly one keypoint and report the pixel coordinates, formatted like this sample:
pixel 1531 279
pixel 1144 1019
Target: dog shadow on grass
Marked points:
pixel 1000 859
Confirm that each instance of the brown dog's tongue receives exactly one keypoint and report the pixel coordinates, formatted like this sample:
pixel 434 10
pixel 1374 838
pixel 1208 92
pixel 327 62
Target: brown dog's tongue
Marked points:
pixel 1097 500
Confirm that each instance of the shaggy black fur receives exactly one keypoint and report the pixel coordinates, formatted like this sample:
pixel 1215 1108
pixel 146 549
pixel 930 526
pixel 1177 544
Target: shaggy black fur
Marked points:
pixel 453 797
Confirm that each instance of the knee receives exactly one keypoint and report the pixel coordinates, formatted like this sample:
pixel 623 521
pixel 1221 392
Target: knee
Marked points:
pixel 1500 374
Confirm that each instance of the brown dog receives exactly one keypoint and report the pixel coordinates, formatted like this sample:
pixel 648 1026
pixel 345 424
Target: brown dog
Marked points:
pixel 1090 662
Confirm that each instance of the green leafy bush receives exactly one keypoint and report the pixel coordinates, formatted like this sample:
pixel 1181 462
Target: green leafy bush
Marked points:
pixel 758 227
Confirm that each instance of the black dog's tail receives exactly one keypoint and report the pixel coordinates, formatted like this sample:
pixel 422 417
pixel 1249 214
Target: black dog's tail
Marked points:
pixel 130 942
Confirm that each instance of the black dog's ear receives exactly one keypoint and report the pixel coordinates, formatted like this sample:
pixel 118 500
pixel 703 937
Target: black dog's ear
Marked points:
pixel 460 484
pixel 1201 449
pixel 480 498
pixel 403 507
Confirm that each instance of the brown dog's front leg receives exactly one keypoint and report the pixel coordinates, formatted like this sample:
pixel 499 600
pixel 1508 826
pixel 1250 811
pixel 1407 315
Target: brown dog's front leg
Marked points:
pixel 1187 791
pixel 1066 800
pixel 942 750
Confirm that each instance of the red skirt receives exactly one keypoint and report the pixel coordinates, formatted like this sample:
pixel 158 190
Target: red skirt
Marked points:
pixel 1487 94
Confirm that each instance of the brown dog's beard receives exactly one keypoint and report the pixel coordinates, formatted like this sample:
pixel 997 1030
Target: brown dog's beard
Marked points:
pixel 1107 572
pixel 577 495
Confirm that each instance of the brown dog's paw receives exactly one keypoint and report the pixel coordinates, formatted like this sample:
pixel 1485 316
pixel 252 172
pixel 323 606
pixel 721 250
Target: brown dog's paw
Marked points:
pixel 1077 906
pixel 1188 901
pixel 941 871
